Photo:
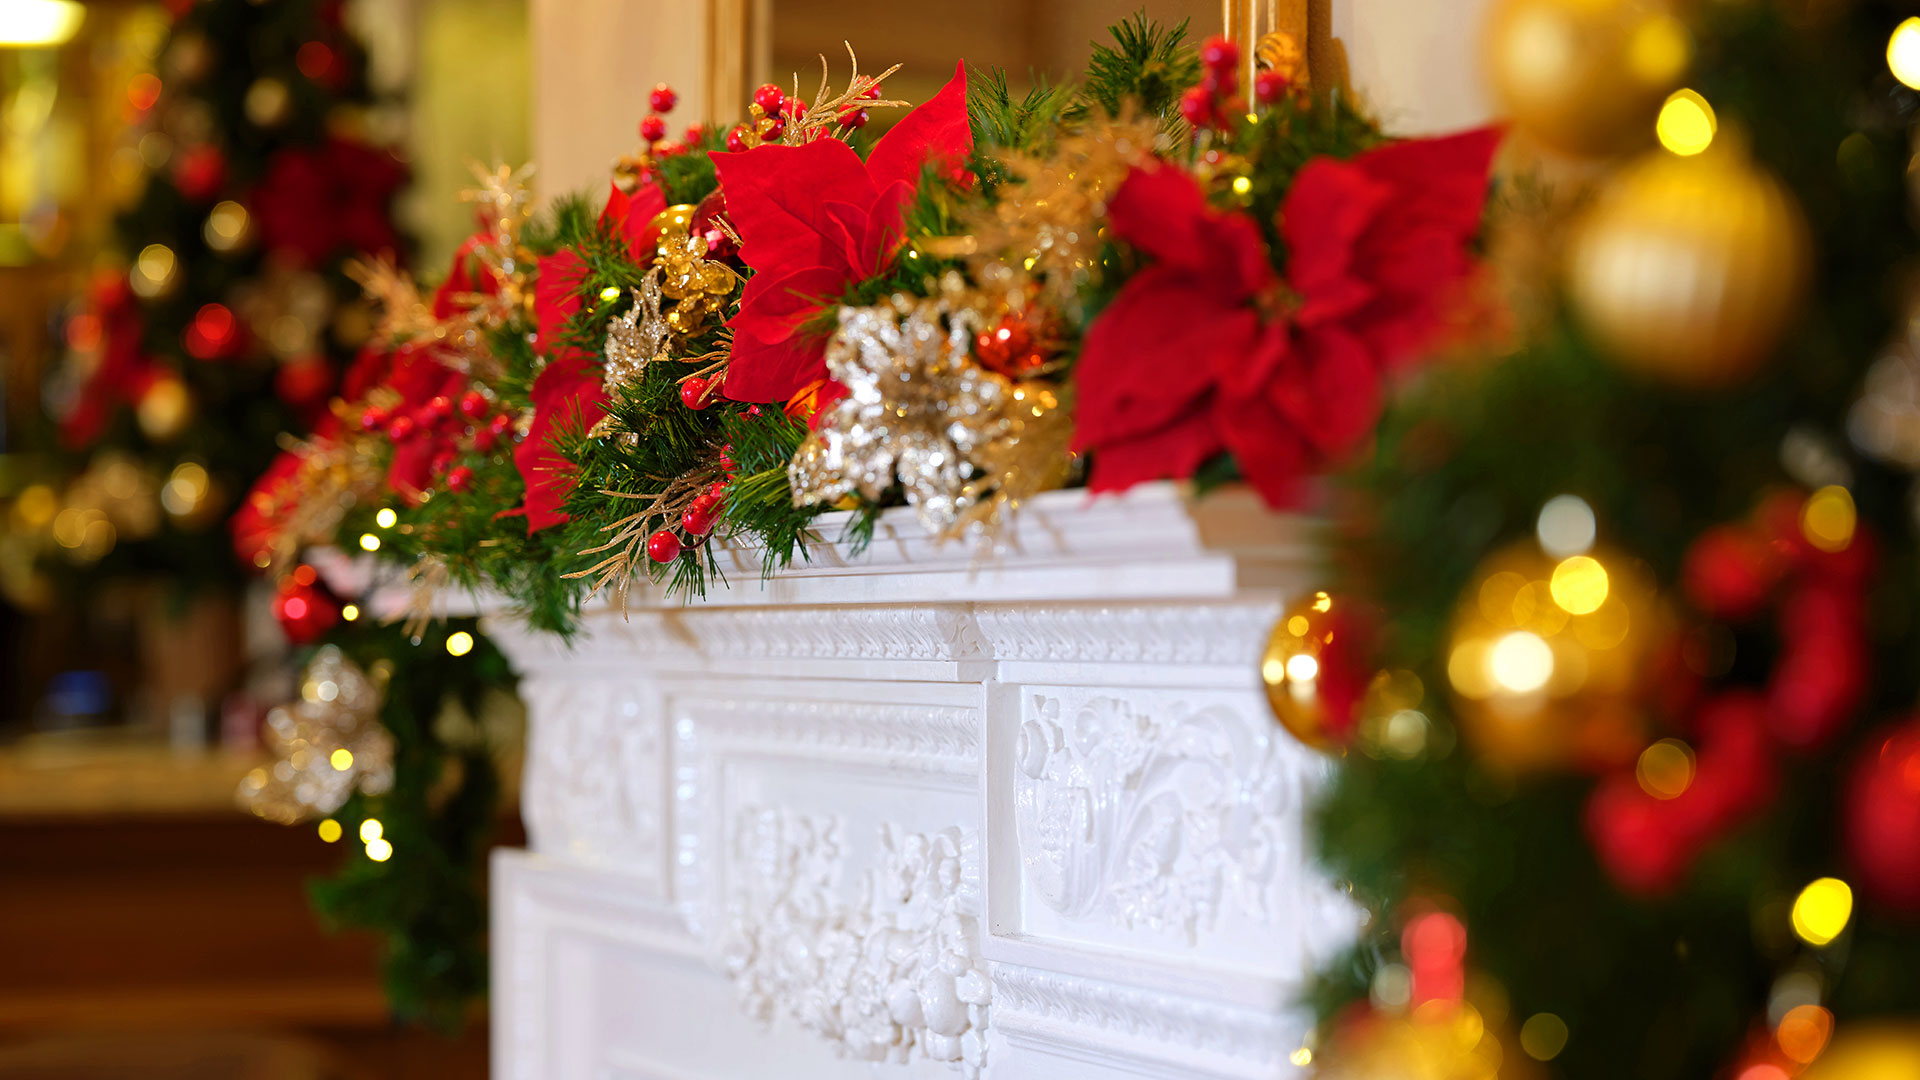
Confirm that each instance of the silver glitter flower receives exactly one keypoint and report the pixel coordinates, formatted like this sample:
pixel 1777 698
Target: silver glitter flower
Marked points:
pixel 325 745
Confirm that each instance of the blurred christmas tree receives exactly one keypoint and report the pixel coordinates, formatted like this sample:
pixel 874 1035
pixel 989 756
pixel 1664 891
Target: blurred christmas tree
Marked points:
pixel 228 318
pixel 1636 789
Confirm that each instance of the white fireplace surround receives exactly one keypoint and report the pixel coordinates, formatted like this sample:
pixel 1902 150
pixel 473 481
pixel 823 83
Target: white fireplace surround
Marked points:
pixel 923 812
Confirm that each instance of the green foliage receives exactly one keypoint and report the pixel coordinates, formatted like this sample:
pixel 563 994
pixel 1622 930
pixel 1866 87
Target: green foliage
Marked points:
pixel 428 899
pixel 1147 63
pixel 689 177
pixel 1667 987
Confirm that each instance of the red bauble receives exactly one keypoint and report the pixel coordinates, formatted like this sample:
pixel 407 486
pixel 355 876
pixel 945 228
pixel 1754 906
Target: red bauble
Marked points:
pixel 500 425
pixel 718 489
pixel 770 99
pixel 1197 106
pixel 737 140
pixel 663 99
pixel 438 409
pixel 1270 86
pixel 402 428
pixel 374 418
pixel 460 480
pixel 1821 674
pixel 1220 53
pixel 693 134
pixel 442 461
pixel 304 381
pixel 663 546
pixel 700 516
pixel 473 404
pixel 653 129
pixel 872 92
pixel 1730 572
pixel 200 172
pixel 853 118
pixel 304 608
pixel 774 131
pixel 693 392
pixel 727 464
pixel 1883 817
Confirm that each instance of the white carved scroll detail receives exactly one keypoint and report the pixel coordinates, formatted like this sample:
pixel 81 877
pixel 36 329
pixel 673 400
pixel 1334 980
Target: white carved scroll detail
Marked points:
pixel 592 773
pixel 1161 820
pixel 891 970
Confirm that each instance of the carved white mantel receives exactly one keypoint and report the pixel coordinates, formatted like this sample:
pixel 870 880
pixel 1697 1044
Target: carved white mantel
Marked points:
pixel 924 812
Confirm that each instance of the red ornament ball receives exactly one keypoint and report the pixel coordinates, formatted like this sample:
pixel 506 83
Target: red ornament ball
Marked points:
pixel 718 489
pixel 304 381
pixel 1883 817
pixel 439 408
pixel 1220 53
pixel 460 480
pixel 1196 105
pixel 374 418
pixel 737 140
pixel 1270 86
pixel 774 130
pixel 727 464
pixel 693 392
pixel 402 428
pixel 770 99
pixel 852 118
pixel 500 424
pixel 653 129
pixel 304 608
pixel 663 99
pixel 663 546
pixel 693 134
pixel 473 404
pixel 701 515
pixel 440 463
pixel 1730 572
pixel 872 92
pixel 200 172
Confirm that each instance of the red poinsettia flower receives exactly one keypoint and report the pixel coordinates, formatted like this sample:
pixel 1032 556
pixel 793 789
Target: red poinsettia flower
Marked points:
pixel 1206 351
pixel 629 215
pixel 567 394
pixel 814 219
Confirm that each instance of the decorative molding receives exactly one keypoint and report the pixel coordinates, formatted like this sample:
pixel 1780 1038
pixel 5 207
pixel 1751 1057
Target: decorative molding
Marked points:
pixel 1225 634
pixel 1024 997
pixel 887 971
pixel 592 780
pixel 1158 817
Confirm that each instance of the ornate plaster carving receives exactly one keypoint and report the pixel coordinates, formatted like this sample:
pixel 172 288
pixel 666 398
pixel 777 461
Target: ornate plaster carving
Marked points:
pixel 1158 817
pixel 884 971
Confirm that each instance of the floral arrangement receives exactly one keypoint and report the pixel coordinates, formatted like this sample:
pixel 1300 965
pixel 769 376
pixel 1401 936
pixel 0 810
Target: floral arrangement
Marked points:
pixel 1143 276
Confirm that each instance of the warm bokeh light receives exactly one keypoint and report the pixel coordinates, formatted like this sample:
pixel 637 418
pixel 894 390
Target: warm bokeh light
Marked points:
pixel 350 612
pixel 379 850
pixel 369 542
pixel 1565 526
pixel 370 830
pixel 1903 52
pixel 1665 769
pixel 1686 125
pixel 27 23
pixel 1803 1032
pixel 1821 911
pixel 330 830
pixel 341 759
pixel 386 517
pixel 153 270
pixel 1828 519
pixel 1579 585
pixel 459 643
pixel 1520 662
pixel 226 226
pixel 1543 1036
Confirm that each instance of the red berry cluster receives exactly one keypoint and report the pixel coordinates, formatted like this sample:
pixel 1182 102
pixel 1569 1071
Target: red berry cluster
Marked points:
pixel 654 127
pixel 696 521
pixel 1209 104
pixel 452 427
pixel 1817 597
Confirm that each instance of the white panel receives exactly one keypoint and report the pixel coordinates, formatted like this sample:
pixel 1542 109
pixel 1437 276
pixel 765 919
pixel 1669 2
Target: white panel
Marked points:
pixel 1416 63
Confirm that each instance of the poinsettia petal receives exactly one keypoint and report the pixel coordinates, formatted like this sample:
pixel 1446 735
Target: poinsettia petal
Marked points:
pixel 556 295
pixel 771 359
pixel 1441 181
pixel 937 131
pixel 567 397
pixel 887 224
pixel 1329 207
pixel 1271 455
pixel 847 225
pixel 1162 211
pixel 629 215
pixel 1331 392
pixel 1153 353
pixel 1173 451
pixel 775 197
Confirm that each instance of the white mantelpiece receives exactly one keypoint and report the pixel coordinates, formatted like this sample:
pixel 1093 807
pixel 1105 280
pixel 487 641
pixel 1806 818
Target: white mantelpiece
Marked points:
pixel 1022 816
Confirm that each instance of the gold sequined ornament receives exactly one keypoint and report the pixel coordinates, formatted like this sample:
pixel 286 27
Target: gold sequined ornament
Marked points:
pixel 1882 1050
pixel 1315 670
pixel 1584 76
pixel 326 745
pixel 1689 270
pixel 635 338
pixel 1548 658
pixel 961 441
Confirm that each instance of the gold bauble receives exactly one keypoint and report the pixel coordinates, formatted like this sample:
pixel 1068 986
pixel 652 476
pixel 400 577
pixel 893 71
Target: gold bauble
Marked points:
pixel 1547 658
pixel 164 409
pixel 1315 670
pixel 1874 1051
pixel 671 225
pixel 1440 1040
pixel 1584 76
pixel 1688 270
